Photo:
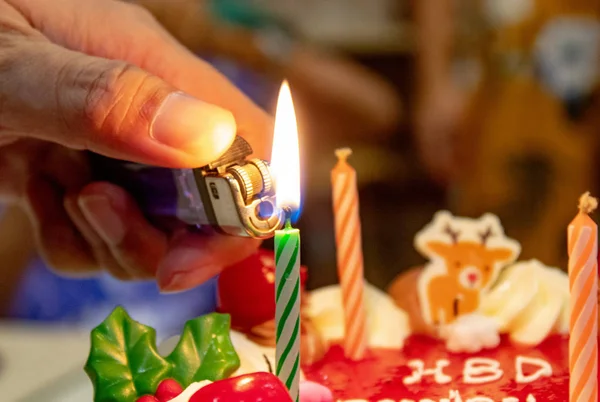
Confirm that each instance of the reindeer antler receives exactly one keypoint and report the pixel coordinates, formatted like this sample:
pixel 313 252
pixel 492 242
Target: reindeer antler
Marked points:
pixel 484 236
pixel 452 233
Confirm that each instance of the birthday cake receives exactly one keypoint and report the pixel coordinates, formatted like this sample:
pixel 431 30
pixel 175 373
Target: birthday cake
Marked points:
pixel 471 325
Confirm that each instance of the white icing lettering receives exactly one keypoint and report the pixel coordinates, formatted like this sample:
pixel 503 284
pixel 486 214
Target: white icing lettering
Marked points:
pixel 544 369
pixel 530 398
pixel 480 399
pixel 419 371
pixel 455 396
pixel 510 399
pixel 481 370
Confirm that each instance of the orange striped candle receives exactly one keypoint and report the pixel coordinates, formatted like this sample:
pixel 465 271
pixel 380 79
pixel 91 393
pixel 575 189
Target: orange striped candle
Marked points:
pixel 583 280
pixel 349 254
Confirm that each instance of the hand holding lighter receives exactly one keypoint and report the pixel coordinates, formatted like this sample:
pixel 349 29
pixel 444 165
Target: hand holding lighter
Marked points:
pixel 233 195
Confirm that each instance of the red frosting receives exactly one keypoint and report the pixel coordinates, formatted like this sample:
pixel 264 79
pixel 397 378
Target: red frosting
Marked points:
pixel 247 290
pixel 380 375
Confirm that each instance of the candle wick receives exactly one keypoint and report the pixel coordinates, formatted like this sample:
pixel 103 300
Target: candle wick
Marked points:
pixel 343 154
pixel 587 203
pixel 287 214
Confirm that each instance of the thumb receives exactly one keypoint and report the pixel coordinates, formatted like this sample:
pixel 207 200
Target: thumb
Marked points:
pixel 109 107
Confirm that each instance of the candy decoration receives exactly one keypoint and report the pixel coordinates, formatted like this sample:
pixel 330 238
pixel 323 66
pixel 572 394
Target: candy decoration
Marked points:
pixel 124 363
pixel 168 389
pixel 349 254
pixel 466 256
pixel 204 351
pixel 583 278
pixel 311 391
pixel 259 386
pixel 254 305
pixel 287 307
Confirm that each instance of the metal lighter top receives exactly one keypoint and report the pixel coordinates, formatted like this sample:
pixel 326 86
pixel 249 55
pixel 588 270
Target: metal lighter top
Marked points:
pixel 233 194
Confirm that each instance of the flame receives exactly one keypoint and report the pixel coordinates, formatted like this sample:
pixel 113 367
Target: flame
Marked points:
pixel 285 158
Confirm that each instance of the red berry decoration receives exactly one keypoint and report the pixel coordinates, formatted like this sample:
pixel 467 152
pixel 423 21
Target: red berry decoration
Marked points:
pixel 168 389
pixel 255 387
pixel 147 398
pixel 246 290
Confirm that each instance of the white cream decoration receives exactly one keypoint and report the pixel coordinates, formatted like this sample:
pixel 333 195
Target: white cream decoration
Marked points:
pixel 544 369
pixel 252 355
pixel 562 287
pixel 190 391
pixel 529 302
pixel 481 370
pixel 516 288
pixel 387 325
pixel 470 333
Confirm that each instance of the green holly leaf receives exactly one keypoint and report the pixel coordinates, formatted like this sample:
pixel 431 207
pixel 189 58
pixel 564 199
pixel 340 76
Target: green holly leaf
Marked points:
pixel 204 351
pixel 123 363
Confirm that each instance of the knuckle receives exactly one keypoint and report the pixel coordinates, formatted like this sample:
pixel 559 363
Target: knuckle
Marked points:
pixel 115 101
pixel 103 90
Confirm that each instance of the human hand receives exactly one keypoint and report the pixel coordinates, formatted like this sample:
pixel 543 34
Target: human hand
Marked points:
pixel 102 75
pixel 439 113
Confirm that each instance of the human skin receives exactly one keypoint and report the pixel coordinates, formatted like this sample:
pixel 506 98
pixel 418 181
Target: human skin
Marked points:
pixel 104 76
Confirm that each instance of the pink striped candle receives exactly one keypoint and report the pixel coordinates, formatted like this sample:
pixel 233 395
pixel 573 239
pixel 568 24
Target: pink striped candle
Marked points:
pixel 583 280
pixel 349 254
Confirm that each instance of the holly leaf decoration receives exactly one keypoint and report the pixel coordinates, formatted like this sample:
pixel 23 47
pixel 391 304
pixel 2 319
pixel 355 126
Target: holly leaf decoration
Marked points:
pixel 123 363
pixel 204 351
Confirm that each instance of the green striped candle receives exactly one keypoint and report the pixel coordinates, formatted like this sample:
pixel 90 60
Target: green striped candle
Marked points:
pixel 287 307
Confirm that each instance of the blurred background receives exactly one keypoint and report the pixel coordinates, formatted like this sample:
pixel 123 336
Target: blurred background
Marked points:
pixel 469 105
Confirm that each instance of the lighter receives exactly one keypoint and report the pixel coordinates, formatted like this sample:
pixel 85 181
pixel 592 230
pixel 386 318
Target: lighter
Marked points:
pixel 233 195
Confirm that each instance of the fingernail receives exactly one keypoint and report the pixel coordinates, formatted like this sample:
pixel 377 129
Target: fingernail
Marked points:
pixel 103 218
pixel 184 268
pixel 195 127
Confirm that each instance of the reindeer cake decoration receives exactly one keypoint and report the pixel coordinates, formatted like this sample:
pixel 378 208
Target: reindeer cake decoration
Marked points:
pixel 465 258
